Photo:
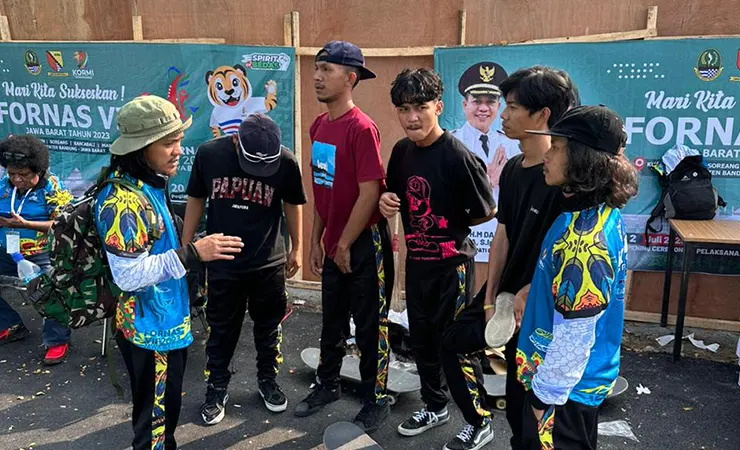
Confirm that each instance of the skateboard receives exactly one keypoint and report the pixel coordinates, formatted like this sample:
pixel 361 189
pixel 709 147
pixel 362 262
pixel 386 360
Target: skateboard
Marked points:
pixel 399 381
pixel 348 436
pixel 496 388
pixel 620 385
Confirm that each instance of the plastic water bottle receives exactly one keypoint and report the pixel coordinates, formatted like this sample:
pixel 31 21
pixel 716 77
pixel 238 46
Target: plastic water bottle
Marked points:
pixel 27 271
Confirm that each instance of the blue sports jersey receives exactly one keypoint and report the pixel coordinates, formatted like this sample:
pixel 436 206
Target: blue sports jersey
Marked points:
pixel 571 332
pixel 40 204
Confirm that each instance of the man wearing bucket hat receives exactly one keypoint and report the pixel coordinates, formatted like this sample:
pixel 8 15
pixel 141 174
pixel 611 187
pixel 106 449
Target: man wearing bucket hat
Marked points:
pixel 147 263
pixel 249 179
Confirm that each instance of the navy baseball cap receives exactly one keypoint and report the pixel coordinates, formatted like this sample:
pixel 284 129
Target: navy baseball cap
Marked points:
pixel 346 54
pixel 259 145
pixel 595 126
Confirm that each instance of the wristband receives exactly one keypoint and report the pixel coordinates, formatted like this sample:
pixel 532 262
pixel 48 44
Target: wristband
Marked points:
pixel 195 250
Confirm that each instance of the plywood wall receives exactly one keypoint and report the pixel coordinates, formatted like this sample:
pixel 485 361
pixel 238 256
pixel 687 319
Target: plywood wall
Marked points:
pixel 378 23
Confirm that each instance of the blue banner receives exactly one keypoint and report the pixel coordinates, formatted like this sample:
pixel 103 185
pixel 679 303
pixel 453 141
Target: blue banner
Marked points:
pixel 68 95
pixel 668 92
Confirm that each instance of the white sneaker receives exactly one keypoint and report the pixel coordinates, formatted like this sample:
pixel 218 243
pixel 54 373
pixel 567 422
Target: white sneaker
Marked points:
pixel 502 325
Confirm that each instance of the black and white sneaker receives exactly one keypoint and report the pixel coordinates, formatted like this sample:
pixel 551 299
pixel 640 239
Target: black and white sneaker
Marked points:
pixel 423 420
pixel 471 438
pixel 272 395
pixel 214 408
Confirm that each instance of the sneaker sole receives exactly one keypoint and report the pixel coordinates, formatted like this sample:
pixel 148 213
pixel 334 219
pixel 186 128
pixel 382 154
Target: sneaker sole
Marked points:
pixel 17 337
pixel 219 417
pixel 54 362
pixel 480 445
pixel 272 407
pixel 497 334
pixel 502 325
pixel 412 433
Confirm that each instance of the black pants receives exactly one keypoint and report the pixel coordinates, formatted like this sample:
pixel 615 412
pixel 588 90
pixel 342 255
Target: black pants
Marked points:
pixel 264 291
pixel 515 395
pixel 364 293
pixel 572 426
pixel 436 301
pixel 156 392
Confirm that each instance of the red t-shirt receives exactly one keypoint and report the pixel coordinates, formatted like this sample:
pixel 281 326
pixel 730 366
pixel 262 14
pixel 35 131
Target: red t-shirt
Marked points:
pixel 344 153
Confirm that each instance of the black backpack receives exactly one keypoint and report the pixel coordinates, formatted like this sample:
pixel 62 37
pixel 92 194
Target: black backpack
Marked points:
pixel 687 193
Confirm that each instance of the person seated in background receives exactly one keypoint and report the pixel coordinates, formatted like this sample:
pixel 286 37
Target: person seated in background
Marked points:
pixel 30 199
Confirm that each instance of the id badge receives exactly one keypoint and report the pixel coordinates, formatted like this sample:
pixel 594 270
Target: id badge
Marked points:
pixel 12 242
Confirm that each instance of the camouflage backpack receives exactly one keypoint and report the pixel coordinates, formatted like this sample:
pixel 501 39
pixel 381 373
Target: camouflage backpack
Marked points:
pixel 79 290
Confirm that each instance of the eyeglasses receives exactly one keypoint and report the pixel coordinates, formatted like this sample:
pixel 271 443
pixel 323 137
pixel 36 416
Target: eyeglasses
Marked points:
pixel 13 157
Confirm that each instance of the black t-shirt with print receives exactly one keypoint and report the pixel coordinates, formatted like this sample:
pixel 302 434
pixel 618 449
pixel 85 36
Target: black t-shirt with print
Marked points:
pixel 527 207
pixel 441 188
pixel 245 206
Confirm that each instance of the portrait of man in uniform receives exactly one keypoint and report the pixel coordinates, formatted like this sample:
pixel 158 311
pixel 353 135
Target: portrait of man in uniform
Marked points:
pixel 481 103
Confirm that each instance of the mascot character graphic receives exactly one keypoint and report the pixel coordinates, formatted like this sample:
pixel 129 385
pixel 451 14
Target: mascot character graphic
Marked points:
pixel 230 93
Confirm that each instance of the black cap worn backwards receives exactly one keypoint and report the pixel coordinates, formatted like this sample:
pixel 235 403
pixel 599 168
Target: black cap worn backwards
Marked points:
pixel 259 145
pixel 346 54
pixel 595 126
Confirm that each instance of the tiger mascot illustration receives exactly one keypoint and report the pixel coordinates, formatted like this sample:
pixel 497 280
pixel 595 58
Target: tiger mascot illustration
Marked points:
pixel 230 93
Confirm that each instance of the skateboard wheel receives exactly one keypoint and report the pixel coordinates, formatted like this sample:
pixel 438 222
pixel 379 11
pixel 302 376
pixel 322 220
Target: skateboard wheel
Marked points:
pixel 391 399
pixel 501 403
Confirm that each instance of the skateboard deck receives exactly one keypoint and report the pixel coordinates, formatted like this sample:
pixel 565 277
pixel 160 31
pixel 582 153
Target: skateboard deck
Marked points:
pixel 348 436
pixel 620 385
pixel 399 381
pixel 496 387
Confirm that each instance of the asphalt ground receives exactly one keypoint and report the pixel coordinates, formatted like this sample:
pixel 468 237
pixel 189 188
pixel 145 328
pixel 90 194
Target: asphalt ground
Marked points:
pixel 693 404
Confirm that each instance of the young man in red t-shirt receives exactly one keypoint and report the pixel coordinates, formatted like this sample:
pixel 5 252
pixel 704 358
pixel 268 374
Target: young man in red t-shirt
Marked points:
pixel 356 261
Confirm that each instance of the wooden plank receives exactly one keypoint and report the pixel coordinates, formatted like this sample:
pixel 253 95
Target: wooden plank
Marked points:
pixel 604 37
pixel 145 41
pixel 376 52
pixel 652 19
pixel 695 322
pixel 297 283
pixel 397 304
pixel 295 39
pixel 463 26
pixel 187 41
pixel 287 30
pixel 138 30
pixel 708 36
pixel 4 29
pixel 708 231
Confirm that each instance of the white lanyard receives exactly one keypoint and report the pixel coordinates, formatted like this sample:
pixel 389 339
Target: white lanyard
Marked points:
pixel 12 201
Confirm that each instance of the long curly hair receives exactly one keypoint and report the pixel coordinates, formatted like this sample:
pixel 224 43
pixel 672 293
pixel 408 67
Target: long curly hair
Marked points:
pixel 604 177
